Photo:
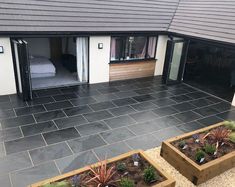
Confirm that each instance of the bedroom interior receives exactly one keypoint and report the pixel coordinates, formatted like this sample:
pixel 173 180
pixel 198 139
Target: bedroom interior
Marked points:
pixel 56 62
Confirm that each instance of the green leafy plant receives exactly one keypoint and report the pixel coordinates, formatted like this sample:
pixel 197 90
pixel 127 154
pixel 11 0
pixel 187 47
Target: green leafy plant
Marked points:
pixel 209 148
pixel 230 125
pixel 125 182
pixel 101 175
pixel 182 143
pixel 58 184
pixel 199 155
pixel 232 137
pixel 121 167
pixel 150 175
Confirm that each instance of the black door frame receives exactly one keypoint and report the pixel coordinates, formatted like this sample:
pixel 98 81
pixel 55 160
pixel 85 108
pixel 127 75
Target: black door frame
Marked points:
pixel 24 69
pixel 168 61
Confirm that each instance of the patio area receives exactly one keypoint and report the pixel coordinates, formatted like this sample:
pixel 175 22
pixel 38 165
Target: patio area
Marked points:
pixel 68 128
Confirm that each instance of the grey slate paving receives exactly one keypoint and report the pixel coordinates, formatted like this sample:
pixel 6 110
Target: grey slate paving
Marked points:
pixel 46 116
pixel 63 123
pixel 96 116
pixel 5 180
pixel 61 135
pixel 92 128
pixel 167 133
pixel 119 121
pixel 143 142
pixel 14 162
pixel 143 116
pixel 97 120
pixel 86 143
pixel 76 161
pixel 122 110
pixel 10 134
pixel 29 110
pixel 112 150
pixel 37 128
pixel 23 178
pixel 24 144
pixel 102 105
pixel 77 110
pixel 50 152
pixel 116 135
pixel 2 150
pixel 17 121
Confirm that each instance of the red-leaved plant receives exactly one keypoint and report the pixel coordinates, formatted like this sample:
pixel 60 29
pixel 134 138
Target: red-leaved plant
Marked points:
pixel 219 136
pixel 102 175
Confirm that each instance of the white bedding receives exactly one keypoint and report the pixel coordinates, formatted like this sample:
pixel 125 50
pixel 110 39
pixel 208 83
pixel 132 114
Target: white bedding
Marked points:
pixel 41 67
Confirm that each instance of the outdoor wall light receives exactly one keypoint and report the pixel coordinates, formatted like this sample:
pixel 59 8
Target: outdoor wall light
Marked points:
pixel 100 45
pixel 1 49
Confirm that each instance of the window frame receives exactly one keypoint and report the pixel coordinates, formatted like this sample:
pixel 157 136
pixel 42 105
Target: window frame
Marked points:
pixel 124 41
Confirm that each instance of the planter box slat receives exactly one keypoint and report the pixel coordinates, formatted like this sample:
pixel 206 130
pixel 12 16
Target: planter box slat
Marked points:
pixel 190 169
pixel 169 182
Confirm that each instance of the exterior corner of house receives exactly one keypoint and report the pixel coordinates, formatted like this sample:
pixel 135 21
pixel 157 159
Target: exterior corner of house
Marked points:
pixel 7 76
pixel 99 59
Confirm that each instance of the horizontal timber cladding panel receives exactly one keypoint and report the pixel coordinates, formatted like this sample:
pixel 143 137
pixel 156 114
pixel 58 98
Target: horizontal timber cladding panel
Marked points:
pixel 131 70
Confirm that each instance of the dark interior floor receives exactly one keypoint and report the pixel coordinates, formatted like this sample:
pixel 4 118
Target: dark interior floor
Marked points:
pixel 67 128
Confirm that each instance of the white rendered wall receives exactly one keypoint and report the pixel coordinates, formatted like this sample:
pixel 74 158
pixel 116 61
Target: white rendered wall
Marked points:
pixel 7 77
pixel 160 54
pixel 99 59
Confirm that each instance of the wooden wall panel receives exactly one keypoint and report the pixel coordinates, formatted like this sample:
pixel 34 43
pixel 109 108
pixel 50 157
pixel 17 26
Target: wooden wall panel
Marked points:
pixel 131 70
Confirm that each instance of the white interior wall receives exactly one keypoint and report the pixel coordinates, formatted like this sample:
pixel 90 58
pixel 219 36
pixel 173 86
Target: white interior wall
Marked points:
pixel 7 77
pixel 160 54
pixel 39 46
pixel 99 59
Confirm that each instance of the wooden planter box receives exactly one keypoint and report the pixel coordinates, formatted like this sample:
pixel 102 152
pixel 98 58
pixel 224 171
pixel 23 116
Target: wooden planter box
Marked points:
pixel 197 174
pixel 169 182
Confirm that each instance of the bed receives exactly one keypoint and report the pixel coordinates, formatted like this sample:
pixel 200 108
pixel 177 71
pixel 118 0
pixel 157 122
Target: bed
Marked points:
pixel 41 67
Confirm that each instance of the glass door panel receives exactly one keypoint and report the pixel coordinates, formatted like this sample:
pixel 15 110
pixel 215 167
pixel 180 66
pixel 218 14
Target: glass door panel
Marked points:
pixel 175 61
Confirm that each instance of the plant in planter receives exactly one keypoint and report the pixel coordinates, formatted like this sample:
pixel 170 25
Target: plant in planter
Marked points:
pixel 125 182
pixel 209 149
pixel 150 175
pixel 136 159
pixel 232 137
pixel 218 135
pixel 102 175
pixel 182 144
pixel 212 155
pixel 230 125
pixel 121 167
pixel 200 156
pixel 106 174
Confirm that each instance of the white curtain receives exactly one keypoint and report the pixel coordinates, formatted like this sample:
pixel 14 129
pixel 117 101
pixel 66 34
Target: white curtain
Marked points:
pixel 82 59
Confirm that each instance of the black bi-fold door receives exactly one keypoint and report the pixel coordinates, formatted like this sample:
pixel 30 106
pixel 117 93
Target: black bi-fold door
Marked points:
pixel 22 68
pixel 176 54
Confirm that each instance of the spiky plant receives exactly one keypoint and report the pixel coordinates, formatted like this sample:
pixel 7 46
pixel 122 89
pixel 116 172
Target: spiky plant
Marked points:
pixel 102 175
pixel 218 135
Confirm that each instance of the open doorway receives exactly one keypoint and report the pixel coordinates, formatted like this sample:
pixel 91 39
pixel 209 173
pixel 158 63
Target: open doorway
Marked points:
pixel 57 61
pixel 211 68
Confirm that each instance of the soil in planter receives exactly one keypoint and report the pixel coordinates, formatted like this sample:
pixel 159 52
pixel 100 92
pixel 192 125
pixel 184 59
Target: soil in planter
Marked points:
pixel 131 172
pixel 135 173
pixel 193 147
